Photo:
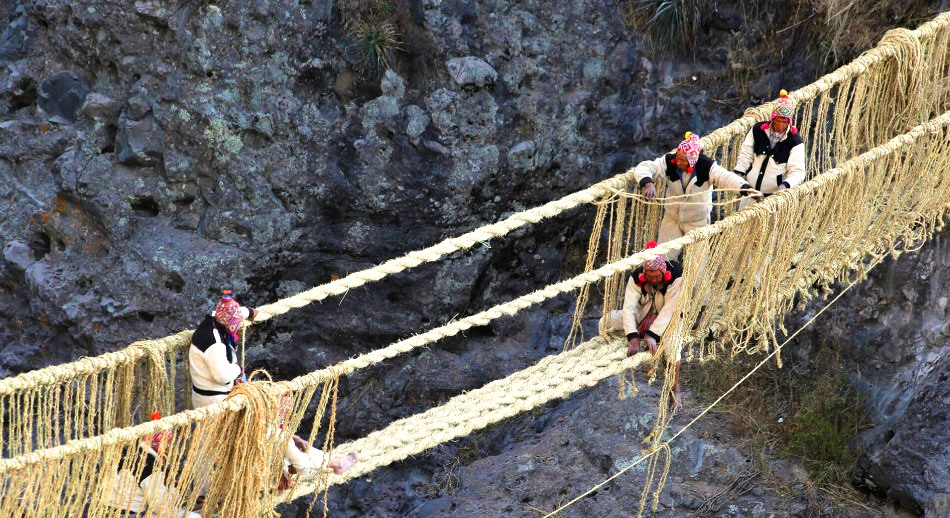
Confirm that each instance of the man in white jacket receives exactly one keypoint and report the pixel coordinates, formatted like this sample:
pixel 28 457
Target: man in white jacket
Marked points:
pixel 772 156
pixel 691 176
pixel 649 303
pixel 140 488
pixel 302 460
pixel 212 357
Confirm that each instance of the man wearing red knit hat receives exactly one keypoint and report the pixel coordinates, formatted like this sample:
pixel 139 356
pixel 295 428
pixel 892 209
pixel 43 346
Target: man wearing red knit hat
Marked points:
pixel 772 156
pixel 212 356
pixel 648 305
pixel 690 177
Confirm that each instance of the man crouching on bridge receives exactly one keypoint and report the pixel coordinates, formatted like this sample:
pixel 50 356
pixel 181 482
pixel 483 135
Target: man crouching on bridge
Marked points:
pixel 648 305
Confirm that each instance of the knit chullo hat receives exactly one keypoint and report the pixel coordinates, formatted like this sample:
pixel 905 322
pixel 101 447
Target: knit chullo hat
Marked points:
pixel 157 439
pixel 784 107
pixel 691 147
pixel 656 264
pixel 284 406
pixel 228 314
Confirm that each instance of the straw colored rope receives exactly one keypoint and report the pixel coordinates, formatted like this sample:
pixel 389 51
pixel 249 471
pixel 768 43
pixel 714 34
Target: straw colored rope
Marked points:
pixel 742 274
pixel 665 445
pixel 936 203
pixel 551 378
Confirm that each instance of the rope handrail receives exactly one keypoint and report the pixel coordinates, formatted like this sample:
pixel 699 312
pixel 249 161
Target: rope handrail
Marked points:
pixel 848 199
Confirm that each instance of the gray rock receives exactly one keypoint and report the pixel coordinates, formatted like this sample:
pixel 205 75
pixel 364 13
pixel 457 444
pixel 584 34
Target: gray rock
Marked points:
pixel 15 38
pixel 521 156
pixel 911 468
pixel 471 71
pixel 18 254
pixel 393 85
pixel 61 96
pixel 140 139
pixel 416 123
pixel 98 106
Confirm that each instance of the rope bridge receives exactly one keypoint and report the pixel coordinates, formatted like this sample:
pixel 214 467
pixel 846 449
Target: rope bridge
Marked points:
pixel 884 92
pixel 821 231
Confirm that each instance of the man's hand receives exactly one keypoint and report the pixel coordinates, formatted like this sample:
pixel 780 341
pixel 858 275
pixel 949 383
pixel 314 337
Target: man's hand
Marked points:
pixel 651 343
pixel 253 314
pixel 649 191
pixel 757 196
pixel 633 346
pixel 781 187
pixel 301 444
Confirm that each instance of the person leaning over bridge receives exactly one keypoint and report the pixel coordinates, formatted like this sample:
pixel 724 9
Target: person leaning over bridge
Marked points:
pixel 691 173
pixel 212 356
pixel 772 156
pixel 648 305
pixel 300 459
pixel 135 493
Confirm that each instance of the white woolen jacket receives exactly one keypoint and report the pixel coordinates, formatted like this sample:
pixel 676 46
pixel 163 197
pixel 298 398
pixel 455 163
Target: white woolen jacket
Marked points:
pixel 637 303
pixel 784 163
pixel 697 207
pixel 150 493
pixel 213 363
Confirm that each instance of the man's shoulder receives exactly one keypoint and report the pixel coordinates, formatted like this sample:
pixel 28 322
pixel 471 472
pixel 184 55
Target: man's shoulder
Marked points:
pixel 203 337
pixel 793 139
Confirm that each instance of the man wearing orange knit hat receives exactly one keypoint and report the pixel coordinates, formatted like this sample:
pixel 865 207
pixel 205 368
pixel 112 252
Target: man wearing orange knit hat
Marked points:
pixel 690 177
pixel 772 156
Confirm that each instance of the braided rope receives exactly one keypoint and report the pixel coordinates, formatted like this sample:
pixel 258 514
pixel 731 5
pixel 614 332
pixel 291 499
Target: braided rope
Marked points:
pixel 551 378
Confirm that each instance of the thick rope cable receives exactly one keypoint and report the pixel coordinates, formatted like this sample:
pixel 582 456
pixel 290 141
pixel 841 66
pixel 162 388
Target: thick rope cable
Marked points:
pixel 818 232
pixel 551 378
pixel 881 167
pixel 888 48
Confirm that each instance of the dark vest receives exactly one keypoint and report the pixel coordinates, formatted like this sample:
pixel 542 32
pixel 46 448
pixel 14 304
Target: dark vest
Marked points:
pixel 782 149
pixel 700 170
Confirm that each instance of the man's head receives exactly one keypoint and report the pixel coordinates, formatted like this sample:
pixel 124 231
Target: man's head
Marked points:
pixel 159 440
pixel 655 271
pixel 228 314
pixel 284 407
pixel 782 114
pixel 687 153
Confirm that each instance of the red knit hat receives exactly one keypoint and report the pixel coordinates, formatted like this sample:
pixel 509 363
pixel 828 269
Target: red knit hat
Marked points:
pixel 228 314
pixel 691 147
pixel 157 439
pixel 784 107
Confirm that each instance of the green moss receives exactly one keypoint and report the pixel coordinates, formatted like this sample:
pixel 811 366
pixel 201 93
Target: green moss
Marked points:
pixel 223 143
pixel 808 412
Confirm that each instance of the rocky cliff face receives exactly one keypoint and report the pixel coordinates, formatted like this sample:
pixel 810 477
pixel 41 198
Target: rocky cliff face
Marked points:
pixel 155 152
pixel 895 330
